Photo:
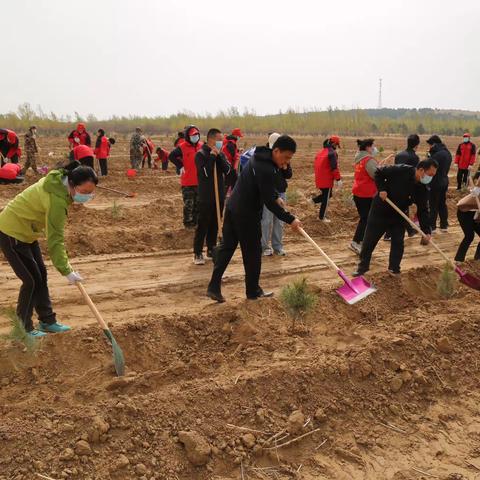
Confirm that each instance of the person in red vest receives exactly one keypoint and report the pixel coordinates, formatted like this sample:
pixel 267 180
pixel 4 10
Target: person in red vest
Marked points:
pixel 326 173
pixel 162 158
pixel 464 159
pixel 79 136
pixel 230 150
pixel 11 173
pixel 102 151
pixel 9 146
pixel 148 150
pixel 364 188
pixel 84 154
pixel 183 157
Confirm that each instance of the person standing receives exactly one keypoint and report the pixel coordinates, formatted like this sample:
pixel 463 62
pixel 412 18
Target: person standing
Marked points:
pixel 364 188
pixel 439 186
pixel 254 188
pixel 31 150
pixel 272 226
pixel 208 158
pixel 468 217
pixel 79 136
pixel 137 142
pixel 9 146
pixel 326 173
pixel 464 160
pixel 183 157
pixel 102 151
pixel 40 208
pixel 403 185
pixel 148 150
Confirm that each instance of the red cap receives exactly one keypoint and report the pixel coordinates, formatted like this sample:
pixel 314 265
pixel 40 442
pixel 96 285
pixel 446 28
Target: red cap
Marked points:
pixel 81 125
pixel 236 132
pixel 467 135
pixel 335 139
pixel 11 137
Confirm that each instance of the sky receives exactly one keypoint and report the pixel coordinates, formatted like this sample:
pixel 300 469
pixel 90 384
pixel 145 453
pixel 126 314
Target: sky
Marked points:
pixel 159 57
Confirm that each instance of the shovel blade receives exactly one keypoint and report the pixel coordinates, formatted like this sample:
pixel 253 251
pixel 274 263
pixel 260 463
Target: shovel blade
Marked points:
pixel 470 281
pixel 118 358
pixel 361 289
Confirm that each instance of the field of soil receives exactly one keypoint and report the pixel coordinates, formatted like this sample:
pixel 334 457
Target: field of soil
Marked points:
pixel 386 389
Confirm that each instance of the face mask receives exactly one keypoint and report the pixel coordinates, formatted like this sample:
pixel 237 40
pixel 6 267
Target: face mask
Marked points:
pixel 194 138
pixel 218 145
pixel 426 179
pixel 466 140
pixel 82 197
pixel 374 151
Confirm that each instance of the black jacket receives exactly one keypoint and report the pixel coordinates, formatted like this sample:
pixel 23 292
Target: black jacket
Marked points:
pixel 281 179
pixel 407 157
pixel 205 162
pixel 402 189
pixel 255 187
pixel 443 157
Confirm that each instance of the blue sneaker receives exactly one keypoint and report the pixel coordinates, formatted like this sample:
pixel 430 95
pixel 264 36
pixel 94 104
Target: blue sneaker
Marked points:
pixel 53 328
pixel 36 334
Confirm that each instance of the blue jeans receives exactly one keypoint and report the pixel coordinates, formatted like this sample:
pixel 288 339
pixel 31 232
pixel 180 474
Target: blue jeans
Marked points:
pixel 272 229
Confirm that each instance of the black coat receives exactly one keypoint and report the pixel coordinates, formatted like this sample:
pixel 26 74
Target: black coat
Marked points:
pixel 257 186
pixel 283 175
pixel 407 157
pixel 440 153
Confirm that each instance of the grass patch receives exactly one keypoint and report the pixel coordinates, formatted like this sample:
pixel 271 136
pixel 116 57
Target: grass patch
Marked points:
pixel 293 197
pixel 298 300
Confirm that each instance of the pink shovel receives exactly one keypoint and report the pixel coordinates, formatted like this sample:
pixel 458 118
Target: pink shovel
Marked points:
pixel 355 289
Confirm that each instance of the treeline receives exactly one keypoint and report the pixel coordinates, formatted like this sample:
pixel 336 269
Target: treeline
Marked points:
pixel 355 122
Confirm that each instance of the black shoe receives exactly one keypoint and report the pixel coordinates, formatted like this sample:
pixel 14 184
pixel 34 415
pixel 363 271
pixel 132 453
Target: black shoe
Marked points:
pixel 394 273
pixel 217 296
pixel 386 238
pixel 412 234
pixel 359 273
pixel 260 294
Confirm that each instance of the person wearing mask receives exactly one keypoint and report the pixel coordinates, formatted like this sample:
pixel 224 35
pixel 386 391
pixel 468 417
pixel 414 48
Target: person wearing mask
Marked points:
pixel 102 151
pixel 468 216
pixel 403 185
pixel 83 154
pixel 31 150
pixel 183 157
pixel 364 188
pixel 40 208
pixel 137 143
pixel 439 186
pixel 326 173
pixel 255 187
pixel 464 160
pixel 79 136
pixel 9 146
pixel 208 158
pixel 272 226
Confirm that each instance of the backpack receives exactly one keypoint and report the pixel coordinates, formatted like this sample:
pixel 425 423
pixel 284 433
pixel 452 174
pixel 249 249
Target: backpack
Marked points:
pixel 246 156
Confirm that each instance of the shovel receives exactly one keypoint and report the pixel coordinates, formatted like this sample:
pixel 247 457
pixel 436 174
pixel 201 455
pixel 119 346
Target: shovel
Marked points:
pixel 118 357
pixel 466 278
pixel 128 195
pixel 355 289
pixel 217 202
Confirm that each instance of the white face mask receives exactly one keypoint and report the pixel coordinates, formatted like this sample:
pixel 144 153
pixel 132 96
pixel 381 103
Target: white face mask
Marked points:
pixel 194 139
pixel 374 151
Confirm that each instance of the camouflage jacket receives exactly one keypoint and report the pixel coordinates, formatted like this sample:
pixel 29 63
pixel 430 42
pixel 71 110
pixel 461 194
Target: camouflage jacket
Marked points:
pixel 136 142
pixel 30 144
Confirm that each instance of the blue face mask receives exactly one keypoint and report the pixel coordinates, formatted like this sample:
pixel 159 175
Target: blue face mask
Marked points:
pixel 426 179
pixel 466 140
pixel 195 139
pixel 82 197
pixel 218 145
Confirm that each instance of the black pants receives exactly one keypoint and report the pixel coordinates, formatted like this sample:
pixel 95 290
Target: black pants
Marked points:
pixel 438 207
pixel 462 178
pixel 470 227
pixel 27 263
pixel 165 165
pixel 323 198
pixel 376 227
pixel 363 208
pixel 410 230
pixel 87 161
pixel 207 227
pixel 149 160
pixel 190 206
pixel 247 232
pixel 103 166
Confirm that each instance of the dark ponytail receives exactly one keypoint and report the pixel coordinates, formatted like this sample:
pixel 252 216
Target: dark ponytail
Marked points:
pixel 363 144
pixel 80 174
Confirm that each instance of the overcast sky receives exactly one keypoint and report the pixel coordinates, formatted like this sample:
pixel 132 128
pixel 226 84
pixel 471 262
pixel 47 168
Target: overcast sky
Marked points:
pixel 157 57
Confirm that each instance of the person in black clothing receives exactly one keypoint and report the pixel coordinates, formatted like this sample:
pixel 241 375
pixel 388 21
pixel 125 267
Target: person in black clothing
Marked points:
pixel 403 185
pixel 254 188
pixel 469 218
pixel 439 186
pixel 206 159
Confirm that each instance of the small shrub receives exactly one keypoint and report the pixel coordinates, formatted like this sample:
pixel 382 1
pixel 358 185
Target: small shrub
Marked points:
pixel 18 333
pixel 297 299
pixel 293 197
pixel 116 210
pixel 310 144
pixel 381 149
pixel 446 283
pixel 347 197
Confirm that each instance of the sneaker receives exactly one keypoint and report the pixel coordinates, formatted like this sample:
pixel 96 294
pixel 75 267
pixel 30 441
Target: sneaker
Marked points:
pixel 325 220
pixel 268 252
pixel 359 273
pixel 394 273
pixel 36 334
pixel 280 253
pixel 355 247
pixel 386 238
pixel 260 294
pixel 209 255
pixel 217 296
pixel 53 328
pixel 198 260
pixel 434 231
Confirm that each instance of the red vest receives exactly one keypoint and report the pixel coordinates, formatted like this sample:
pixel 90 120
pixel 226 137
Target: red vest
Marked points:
pixel 10 140
pixel 82 151
pixel 324 175
pixel 232 159
pixel 189 176
pixel 363 185
pixel 465 155
pixel 81 136
pixel 103 151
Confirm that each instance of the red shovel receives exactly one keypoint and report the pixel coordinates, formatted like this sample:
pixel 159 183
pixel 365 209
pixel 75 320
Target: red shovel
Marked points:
pixel 355 289
pixel 466 278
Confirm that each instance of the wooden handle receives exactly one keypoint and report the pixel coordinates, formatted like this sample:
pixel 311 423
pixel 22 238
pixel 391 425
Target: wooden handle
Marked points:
pixel 217 197
pixel 92 306
pixel 421 232
pixel 312 241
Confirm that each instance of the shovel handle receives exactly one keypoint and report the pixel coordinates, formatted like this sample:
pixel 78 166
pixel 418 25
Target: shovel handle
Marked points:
pixel 217 199
pixel 92 306
pixel 421 232
pixel 115 191
pixel 312 241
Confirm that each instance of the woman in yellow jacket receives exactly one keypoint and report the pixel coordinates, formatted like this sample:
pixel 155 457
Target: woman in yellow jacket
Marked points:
pixel 39 210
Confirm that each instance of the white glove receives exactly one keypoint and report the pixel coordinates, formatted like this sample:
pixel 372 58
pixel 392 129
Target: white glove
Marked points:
pixel 476 191
pixel 77 140
pixel 182 171
pixel 74 277
pixel 339 183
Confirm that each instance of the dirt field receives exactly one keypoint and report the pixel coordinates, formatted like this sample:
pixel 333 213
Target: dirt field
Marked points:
pixel 385 389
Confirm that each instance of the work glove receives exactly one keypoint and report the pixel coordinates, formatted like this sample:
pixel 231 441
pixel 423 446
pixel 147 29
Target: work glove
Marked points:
pixel 74 277
pixel 339 184
pixel 182 171
pixel 76 140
